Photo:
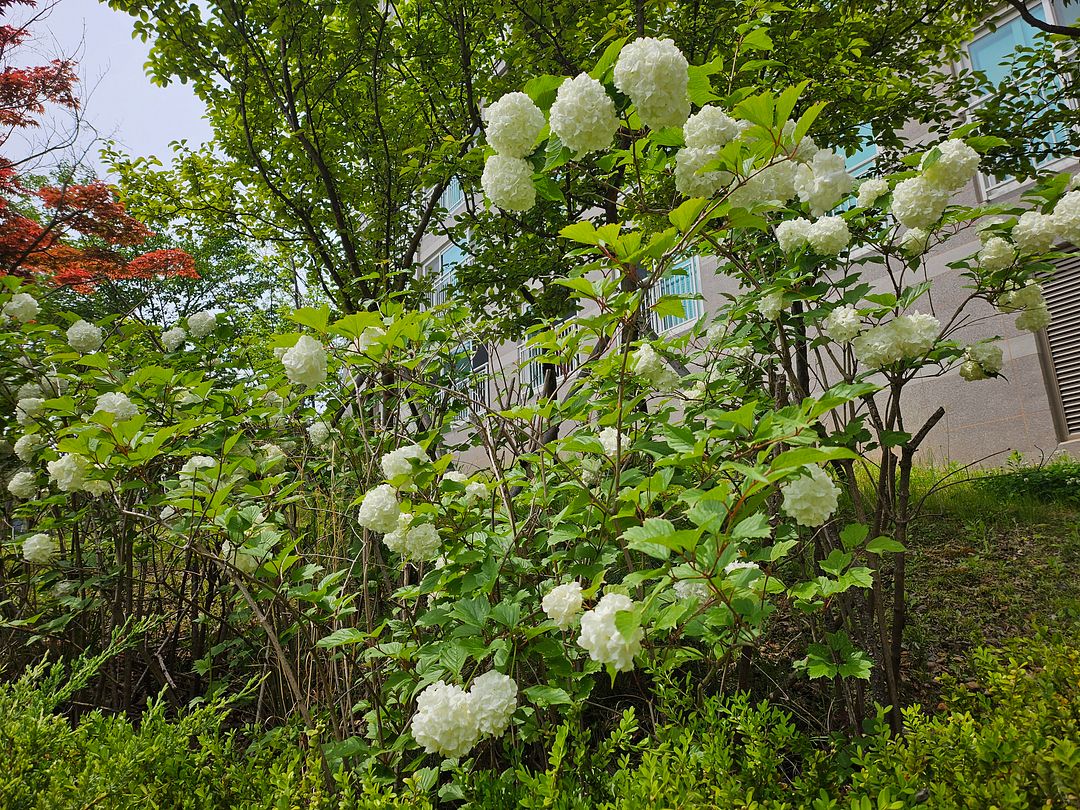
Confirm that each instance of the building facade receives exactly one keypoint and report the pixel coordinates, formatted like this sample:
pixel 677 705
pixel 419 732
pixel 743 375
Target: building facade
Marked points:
pixel 1033 409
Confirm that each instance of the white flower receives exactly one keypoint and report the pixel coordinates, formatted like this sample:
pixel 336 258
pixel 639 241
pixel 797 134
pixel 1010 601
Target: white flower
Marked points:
pixel 987 359
pixel 118 404
pixel 914 241
pixel 690 180
pixel 770 305
pixel 1029 301
pixel 23 485
pixel 773 183
pixel 907 336
pixel 243 559
pixel 28 408
pixel 583 115
pixel 456 476
pixel 843 324
pixel 305 362
pixel 870 190
pixel 646 363
pixel 828 236
pixel 654 73
pixel 380 510
pixel 1034 232
pixel 602 639
pixel 399 463
pixel 369 339
pixel 26 446
pixel 612 440
pixel 691 590
pixel 709 128
pixel 22 307
pixel 40 549
pixel 508 183
pixel 494 699
pixel 740 565
pixel 418 543
pixel 513 122
pixel 562 604
pixel 272 454
pixel 918 204
pixel 445 721
pixel 201 324
pixel 97 487
pixel 1067 218
pixel 811 498
pixel 823 182
pixel 1033 319
pixel 194 464
pixel 972 371
pixel 68 472
pixel 791 234
pixel 475 491
pixel 173 339
pixel 318 434
pixel 956 164
pixel 84 337
pixel 996 254
pixel 917 333
pixel 805 149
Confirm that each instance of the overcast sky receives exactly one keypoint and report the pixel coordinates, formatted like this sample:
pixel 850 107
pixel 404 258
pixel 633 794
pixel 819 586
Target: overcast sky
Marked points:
pixel 119 100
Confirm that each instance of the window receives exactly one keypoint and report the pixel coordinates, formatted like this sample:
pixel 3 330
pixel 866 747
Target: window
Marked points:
pixel 470 375
pixel 1061 349
pixel 453 195
pixel 683 280
pixel 532 370
pixel 442 269
pixel 861 161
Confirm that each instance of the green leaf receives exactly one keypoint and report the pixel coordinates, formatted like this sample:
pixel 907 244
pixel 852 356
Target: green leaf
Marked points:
pixel 627 622
pixel 757 40
pixel 802 456
pixel 314 318
pixel 583 232
pixel 607 59
pixel 836 562
pixel 885 545
pixel 755 526
pixel 687 213
pixel 547 188
pixel 346 635
pixel 543 695
pixel 853 534
pixel 542 90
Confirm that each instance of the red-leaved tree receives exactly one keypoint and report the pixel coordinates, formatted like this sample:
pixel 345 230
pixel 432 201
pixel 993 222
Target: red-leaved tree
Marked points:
pixel 66 234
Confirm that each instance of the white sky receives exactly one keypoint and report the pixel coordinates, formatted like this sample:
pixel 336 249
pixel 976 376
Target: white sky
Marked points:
pixel 119 102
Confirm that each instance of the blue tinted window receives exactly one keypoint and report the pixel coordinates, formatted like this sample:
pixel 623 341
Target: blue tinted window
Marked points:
pixel 989 51
pixel 681 280
pixel 861 160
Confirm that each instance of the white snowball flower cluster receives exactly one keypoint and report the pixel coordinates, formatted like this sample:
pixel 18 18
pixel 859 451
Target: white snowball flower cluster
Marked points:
pixel 805 149
pixel 602 639
pixel 507 182
pixel 710 128
pixel 770 306
pixel 318 433
pixel 562 604
pixel 445 721
pixel 173 339
pixel 305 362
pixel 243 559
pixel 791 234
pixel 648 364
pixel 982 360
pixel 612 440
pixel 1034 232
pixel 512 124
pixel 811 498
pixel 380 510
pixel 26 446
pixel 654 74
pixel 772 183
pixel 996 254
pixel 843 324
pixel 1067 217
pixel 369 339
pixel 918 204
pixel 418 543
pixel 956 164
pixel 22 307
pixel 1031 305
pixel 494 699
pixel 823 182
pixel 194 464
pixel 870 190
pixel 690 180
pixel 23 485
pixel 475 491
pixel 201 324
pixel 28 408
pixel 904 337
pixel 691 590
pixel 68 472
pixel 449 721
pixel 583 115
pixel 740 565
pixel 84 337
pixel 399 463
pixel 40 549
pixel 914 241
pixel 828 236
pixel 118 404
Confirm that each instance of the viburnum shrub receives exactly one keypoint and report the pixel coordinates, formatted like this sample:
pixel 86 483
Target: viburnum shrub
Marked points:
pixel 306 504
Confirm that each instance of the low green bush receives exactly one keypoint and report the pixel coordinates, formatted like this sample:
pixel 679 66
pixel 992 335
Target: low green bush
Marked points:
pixel 1057 481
